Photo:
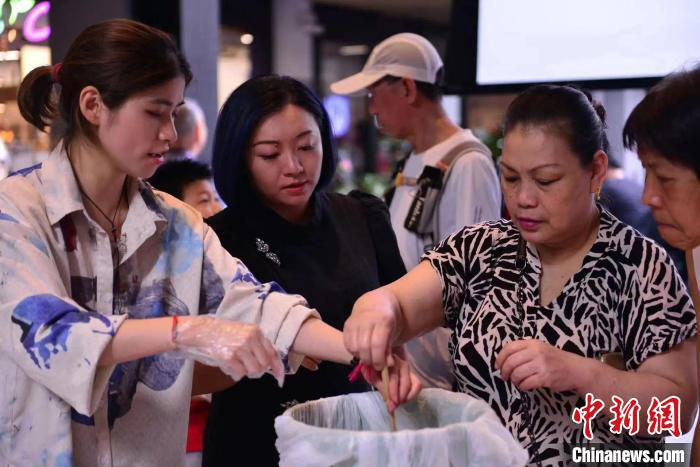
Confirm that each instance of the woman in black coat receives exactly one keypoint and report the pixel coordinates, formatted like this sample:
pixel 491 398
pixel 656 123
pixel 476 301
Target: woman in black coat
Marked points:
pixel 273 156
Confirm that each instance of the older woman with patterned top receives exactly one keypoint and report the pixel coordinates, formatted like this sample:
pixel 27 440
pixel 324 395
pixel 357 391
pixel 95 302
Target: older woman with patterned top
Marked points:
pixel 664 130
pixel 536 301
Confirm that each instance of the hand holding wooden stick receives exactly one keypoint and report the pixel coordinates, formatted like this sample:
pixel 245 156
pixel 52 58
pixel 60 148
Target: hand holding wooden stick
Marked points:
pixel 381 380
pixel 385 380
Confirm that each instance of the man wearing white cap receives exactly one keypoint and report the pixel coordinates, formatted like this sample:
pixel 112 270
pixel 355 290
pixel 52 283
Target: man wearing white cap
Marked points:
pixel 448 181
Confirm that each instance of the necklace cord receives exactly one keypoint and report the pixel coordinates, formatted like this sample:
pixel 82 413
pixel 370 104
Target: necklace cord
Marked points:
pixel 122 196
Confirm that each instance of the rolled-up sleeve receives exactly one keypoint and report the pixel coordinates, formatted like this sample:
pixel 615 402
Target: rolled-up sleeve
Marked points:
pixel 56 342
pixel 245 299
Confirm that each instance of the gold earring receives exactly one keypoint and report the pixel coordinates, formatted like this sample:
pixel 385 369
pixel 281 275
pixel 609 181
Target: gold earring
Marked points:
pixel 597 194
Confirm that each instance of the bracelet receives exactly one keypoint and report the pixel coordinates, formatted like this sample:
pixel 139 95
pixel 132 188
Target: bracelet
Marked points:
pixel 173 331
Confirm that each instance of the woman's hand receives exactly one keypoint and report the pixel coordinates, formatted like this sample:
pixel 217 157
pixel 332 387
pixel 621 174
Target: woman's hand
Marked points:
pixel 310 363
pixel 532 364
pixel 238 349
pixel 371 330
pixel 404 385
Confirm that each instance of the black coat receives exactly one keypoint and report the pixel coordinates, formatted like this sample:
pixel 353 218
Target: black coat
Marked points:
pixel 347 249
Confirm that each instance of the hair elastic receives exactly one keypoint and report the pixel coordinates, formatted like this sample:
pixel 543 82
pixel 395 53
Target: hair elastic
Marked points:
pixel 54 72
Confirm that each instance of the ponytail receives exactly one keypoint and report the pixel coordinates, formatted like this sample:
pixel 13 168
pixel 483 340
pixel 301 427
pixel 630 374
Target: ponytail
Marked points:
pixel 36 99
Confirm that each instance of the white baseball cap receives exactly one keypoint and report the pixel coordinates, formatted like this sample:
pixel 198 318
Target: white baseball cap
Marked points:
pixel 404 55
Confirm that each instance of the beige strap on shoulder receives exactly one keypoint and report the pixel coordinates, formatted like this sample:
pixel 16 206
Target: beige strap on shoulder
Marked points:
pixel 447 163
pixel 448 160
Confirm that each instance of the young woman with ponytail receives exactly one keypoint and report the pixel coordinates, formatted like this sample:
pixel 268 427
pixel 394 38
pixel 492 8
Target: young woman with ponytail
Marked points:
pixel 109 290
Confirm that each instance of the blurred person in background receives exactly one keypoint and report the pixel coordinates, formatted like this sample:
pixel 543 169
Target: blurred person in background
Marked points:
pixel 402 79
pixel 192 132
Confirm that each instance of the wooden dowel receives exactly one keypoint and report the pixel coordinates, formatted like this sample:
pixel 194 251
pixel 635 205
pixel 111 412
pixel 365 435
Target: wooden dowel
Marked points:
pixel 385 380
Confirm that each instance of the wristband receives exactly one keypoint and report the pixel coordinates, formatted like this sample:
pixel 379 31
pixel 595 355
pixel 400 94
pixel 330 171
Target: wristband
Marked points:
pixel 173 331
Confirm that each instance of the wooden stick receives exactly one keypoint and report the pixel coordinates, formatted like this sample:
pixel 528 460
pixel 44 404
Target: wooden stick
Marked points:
pixel 385 380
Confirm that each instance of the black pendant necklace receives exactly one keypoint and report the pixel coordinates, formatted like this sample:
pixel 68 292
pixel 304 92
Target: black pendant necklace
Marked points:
pixel 113 231
pixel 112 221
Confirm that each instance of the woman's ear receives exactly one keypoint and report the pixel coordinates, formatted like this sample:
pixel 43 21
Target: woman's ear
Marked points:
pixel 599 168
pixel 91 105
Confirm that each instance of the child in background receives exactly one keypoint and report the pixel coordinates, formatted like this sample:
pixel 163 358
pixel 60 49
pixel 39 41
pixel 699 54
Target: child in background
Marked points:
pixel 189 181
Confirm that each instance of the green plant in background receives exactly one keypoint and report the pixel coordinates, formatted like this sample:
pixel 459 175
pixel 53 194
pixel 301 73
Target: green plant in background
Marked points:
pixel 374 183
pixel 494 141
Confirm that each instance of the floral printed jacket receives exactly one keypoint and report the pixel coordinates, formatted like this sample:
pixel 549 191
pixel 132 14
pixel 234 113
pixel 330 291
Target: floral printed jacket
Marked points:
pixel 61 301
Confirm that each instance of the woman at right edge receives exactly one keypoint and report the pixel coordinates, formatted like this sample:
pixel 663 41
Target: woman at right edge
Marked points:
pixel 663 129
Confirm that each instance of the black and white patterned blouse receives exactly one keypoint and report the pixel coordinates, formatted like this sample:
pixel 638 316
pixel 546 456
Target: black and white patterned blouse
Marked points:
pixel 627 297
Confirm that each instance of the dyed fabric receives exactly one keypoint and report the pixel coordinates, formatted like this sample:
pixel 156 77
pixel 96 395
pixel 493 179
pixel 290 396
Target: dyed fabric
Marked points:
pixel 61 302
